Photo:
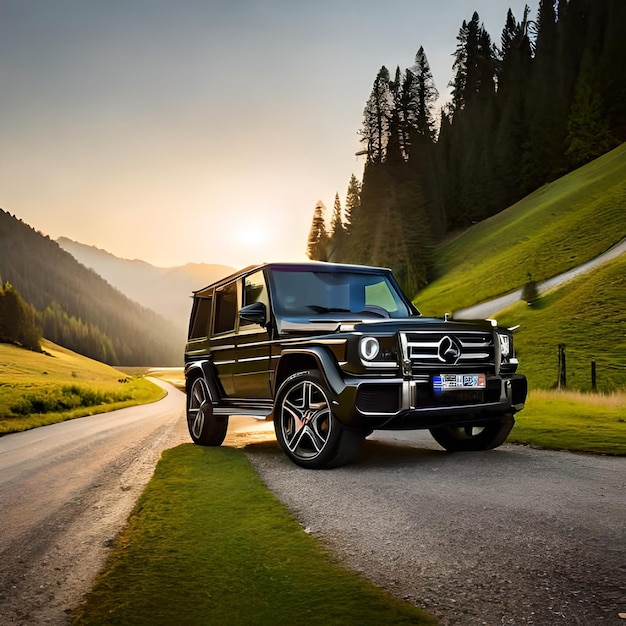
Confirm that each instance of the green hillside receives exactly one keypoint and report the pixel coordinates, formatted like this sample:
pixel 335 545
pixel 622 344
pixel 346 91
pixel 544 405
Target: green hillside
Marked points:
pixel 58 384
pixel 587 315
pixel 559 226
pixel 79 309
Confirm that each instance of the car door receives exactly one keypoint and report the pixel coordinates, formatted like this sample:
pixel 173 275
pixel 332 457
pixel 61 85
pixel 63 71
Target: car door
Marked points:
pixel 252 372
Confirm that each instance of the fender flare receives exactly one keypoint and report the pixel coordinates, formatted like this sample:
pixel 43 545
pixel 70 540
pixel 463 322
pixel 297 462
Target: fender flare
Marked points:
pixel 298 359
pixel 205 368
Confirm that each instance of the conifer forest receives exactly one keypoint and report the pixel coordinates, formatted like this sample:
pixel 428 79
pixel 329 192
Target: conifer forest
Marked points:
pixel 545 98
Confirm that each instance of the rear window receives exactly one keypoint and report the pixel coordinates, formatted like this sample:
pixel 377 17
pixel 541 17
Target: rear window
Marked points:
pixel 200 316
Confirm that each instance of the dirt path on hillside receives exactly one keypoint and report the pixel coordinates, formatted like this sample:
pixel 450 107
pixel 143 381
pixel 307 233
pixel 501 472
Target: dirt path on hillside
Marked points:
pixel 487 309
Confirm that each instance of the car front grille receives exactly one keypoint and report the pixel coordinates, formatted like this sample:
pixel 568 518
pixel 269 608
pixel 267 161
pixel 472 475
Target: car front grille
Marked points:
pixel 428 349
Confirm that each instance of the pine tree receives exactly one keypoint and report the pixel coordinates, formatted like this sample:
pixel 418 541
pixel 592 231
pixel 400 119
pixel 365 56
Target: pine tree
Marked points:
pixel 514 72
pixel 377 117
pixel 473 120
pixel 338 235
pixel 421 94
pixel 588 133
pixel 542 157
pixel 317 247
pixel 353 201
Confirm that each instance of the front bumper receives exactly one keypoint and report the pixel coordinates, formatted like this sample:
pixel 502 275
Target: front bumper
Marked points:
pixel 397 404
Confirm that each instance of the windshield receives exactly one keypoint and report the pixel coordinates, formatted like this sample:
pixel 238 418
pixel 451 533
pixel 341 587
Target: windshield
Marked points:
pixel 310 293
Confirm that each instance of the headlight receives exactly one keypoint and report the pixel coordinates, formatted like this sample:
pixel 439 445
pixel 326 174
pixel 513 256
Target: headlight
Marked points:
pixel 369 348
pixel 505 345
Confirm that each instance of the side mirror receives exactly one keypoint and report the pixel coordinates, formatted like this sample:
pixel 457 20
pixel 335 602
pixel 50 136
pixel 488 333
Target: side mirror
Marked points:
pixel 255 313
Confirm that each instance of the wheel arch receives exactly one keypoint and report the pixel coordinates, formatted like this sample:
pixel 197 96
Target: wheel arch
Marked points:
pixel 203 369
pixel 294 360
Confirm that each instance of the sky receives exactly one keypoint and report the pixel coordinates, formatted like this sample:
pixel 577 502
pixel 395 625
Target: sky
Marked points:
pixel 201 131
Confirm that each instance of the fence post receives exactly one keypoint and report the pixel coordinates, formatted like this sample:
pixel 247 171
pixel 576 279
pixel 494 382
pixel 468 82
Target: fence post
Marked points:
pixel 562 378
pixel 593 375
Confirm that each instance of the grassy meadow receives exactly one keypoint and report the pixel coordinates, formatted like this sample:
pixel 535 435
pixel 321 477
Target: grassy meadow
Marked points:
pixel 558 227
pixel 578 422
pixel 587 316
pixel 43 388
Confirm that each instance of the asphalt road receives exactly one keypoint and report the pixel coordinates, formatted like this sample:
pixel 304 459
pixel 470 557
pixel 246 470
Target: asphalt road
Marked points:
pixel 510 536
pixel 65 492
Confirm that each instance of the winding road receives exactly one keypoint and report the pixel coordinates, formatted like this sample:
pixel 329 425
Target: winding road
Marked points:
pixel 65 492
pixel 510 536
pixel 487 309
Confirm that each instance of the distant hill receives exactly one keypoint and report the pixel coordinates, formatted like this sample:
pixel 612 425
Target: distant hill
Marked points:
pixel 80 310
pixel 164 290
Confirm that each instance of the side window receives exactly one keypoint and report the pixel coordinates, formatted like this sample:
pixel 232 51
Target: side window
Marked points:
pixel 254 290
pixel 200 316
pixel 225 309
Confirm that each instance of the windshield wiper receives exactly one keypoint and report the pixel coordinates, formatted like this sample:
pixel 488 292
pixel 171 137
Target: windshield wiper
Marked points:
pixel 324 309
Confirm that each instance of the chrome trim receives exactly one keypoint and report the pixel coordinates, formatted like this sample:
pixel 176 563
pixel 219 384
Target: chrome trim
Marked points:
pixel 224 347
pixel 379 364
pixel 253 359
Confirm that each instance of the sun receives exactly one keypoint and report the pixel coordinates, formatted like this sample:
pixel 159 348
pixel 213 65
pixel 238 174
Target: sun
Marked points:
pixel 253 232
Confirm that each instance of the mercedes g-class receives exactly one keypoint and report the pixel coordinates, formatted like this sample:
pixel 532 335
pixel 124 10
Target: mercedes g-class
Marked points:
pixel 333 352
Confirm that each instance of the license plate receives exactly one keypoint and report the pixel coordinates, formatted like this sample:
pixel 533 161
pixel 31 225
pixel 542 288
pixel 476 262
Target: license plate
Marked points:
pixel 446 382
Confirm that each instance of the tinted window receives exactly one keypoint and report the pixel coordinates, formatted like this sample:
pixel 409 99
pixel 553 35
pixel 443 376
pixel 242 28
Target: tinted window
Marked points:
pixel 200 318
pixel 254 290
pixel 225 309
pixel 307 293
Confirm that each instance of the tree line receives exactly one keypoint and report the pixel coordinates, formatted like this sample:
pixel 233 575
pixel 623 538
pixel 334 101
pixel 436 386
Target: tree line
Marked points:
pixel 20 323
pixel 549 97
pixel 73 306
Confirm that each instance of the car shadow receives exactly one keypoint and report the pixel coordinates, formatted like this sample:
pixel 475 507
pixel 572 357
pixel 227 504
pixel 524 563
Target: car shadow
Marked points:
pixel 375 454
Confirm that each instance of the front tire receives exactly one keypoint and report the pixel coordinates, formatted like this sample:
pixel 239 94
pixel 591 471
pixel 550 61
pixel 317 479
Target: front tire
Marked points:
pixel 205 428
pixel 473 437
pixel 307 429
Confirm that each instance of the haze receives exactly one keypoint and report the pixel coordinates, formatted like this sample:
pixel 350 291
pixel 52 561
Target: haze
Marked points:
pixel 200 131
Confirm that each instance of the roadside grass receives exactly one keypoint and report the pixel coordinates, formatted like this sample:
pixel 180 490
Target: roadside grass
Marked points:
pixel 208 543
pixel 38 389
pixel 558 227
pixel 586 315
pixel 566 420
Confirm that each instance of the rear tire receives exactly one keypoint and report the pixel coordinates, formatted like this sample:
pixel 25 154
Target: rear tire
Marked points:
pixel 306 428
pixel 205 428
pixel 473 437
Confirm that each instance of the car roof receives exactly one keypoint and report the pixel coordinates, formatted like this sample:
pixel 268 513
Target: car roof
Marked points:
pixel 303 266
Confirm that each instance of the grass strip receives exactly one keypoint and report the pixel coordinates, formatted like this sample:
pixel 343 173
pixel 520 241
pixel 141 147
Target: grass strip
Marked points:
pixel 207 543
pixel 562 420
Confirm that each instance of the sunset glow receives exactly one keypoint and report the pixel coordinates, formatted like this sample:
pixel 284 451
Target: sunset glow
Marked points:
pixel 200 132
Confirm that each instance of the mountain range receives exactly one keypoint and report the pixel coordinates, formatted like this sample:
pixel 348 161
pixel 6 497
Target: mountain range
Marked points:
pixel 164 290
pixel 112 310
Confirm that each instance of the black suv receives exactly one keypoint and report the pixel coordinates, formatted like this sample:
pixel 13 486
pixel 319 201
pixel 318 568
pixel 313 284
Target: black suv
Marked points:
pixel 333 352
